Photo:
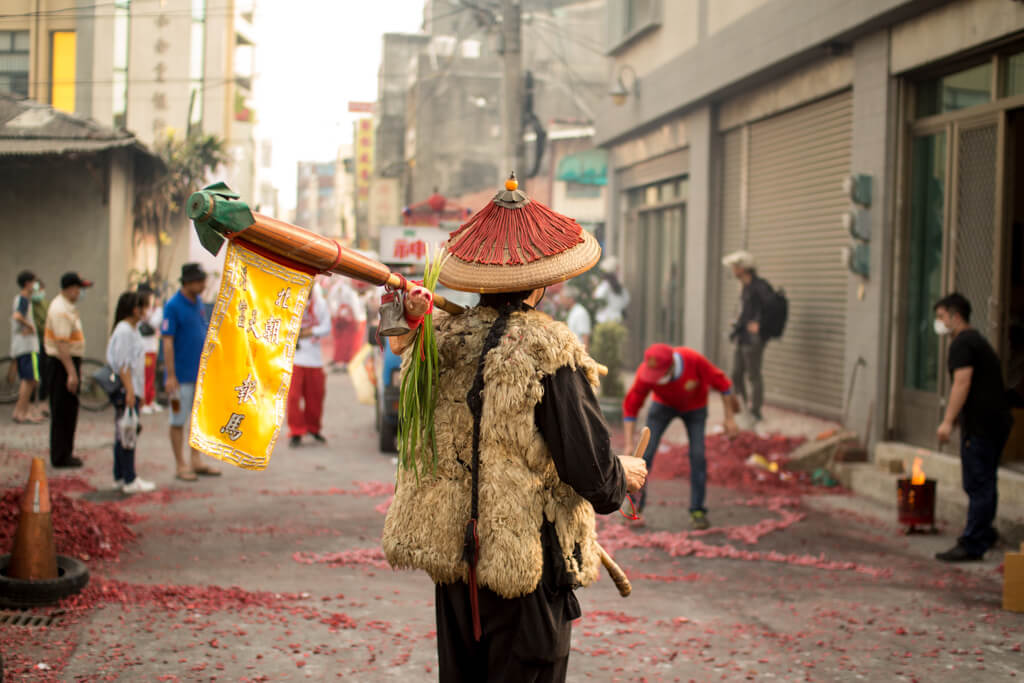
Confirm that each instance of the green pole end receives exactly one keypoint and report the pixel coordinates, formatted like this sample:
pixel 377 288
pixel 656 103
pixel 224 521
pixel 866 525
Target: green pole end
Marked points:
pixel 200 206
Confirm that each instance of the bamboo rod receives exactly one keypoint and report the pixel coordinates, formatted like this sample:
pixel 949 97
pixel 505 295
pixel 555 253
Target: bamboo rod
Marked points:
pixel 615 571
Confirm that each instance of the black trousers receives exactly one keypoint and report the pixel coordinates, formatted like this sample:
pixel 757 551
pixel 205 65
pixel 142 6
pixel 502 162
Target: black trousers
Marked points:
pixel 43 388
pixel 525 640
pixel 979 461
pixel 63 411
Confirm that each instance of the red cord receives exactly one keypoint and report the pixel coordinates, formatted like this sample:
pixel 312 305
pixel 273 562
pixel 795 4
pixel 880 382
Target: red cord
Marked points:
pixel 474 600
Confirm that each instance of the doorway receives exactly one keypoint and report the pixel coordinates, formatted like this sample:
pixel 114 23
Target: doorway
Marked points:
pixel 963 230
pixel 953 242
pixel 1013 356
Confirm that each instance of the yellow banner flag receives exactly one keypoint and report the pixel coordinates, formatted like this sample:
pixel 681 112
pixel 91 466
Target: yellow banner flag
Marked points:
pixel 246 366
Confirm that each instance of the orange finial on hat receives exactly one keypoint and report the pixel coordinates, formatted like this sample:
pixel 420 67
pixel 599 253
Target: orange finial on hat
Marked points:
pixel 516 244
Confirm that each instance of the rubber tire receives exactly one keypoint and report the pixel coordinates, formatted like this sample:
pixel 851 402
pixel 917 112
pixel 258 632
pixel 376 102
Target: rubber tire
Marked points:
pixel 73 576
pixel 388 439
pixel 90 396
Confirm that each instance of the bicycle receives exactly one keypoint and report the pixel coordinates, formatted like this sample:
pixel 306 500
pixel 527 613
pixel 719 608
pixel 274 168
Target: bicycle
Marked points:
pixel 91 396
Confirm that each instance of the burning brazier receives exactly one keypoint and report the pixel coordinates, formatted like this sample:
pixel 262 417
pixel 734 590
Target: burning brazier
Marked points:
pixel 916 501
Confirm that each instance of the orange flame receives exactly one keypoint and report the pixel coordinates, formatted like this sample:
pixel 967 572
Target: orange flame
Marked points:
pixel 918 478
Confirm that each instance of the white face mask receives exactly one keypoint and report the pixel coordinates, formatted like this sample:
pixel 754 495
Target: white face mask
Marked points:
pixel 940 328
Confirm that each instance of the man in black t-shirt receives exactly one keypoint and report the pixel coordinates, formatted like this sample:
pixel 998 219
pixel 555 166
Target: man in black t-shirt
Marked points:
pixel 978 400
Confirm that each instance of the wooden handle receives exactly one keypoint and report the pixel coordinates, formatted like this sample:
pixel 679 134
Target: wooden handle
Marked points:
pixel 615 571
pixel 641 446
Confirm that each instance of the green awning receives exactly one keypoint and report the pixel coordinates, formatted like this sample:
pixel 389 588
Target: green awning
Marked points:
pixel 587 168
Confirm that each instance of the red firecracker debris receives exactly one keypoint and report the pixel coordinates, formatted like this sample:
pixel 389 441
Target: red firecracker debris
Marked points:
pixel 727 464
pixel 83 530
pixel 372 557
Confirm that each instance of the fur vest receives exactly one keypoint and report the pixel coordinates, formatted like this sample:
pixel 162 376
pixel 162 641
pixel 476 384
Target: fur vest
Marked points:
pixel 519 486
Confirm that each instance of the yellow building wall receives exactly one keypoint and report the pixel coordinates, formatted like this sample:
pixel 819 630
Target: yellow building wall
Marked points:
pixel 62 71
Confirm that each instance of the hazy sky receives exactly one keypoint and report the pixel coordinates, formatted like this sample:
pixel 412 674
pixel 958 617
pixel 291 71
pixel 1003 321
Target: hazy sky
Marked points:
pixel 313 57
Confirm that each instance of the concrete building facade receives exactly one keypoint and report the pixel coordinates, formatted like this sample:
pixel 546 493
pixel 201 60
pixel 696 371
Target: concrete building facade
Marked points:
pixel 453 129
pixel 740 123
pixel 325 201
pixel 67 191
pixel 164 69
pixel 399 53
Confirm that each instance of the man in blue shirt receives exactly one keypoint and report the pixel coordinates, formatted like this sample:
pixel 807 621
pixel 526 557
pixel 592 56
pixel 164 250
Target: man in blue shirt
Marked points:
pixel 184 333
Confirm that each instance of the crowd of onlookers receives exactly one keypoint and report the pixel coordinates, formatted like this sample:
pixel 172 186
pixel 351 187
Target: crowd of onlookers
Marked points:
pixel 48 345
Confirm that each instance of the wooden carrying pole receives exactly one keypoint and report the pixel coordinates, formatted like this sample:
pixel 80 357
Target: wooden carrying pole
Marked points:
pixel 614 570
pixel 326 255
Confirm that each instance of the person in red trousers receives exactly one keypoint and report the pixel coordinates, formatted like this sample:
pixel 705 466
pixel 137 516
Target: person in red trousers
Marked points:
pixel 154 317
pixel 309 383
pixel 349 323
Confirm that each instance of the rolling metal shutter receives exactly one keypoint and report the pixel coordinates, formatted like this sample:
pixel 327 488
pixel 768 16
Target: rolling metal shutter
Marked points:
pixel 798 160
pixel 732 239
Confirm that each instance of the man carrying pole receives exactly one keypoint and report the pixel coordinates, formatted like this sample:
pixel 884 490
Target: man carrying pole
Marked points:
pixel 502 515
pixel 504 525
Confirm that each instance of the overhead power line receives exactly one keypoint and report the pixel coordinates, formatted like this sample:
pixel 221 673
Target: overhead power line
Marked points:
pixel 84 12
pixel 564 32
pixel 217 82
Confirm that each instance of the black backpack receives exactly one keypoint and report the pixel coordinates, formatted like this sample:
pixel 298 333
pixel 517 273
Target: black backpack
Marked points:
pixel 774 312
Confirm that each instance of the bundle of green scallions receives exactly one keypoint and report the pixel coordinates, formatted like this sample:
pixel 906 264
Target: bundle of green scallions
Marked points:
pixel 417 445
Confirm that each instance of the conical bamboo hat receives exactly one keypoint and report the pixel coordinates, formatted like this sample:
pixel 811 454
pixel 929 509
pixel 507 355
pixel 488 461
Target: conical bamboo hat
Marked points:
pixel 515 244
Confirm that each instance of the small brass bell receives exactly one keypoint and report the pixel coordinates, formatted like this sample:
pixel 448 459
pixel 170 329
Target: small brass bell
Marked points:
pixel 392 314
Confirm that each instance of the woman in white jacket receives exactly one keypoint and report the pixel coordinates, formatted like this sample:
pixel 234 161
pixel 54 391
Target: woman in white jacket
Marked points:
pixel 126 356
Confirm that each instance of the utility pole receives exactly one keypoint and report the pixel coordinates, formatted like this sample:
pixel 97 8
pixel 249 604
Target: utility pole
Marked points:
pixel 512 114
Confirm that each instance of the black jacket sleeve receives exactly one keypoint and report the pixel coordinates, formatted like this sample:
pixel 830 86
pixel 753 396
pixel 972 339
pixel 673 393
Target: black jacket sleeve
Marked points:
pixel 569 418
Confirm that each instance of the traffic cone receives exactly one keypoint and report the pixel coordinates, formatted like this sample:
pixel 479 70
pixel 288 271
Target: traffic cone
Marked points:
pixel 34 555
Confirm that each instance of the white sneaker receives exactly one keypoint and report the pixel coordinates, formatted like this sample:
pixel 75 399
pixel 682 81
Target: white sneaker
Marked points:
pixel 157 408
pixel 140 485
pixel 118 485
pixel 147 410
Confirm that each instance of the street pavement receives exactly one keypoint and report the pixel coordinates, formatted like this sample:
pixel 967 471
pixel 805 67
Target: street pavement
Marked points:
pixel 278 576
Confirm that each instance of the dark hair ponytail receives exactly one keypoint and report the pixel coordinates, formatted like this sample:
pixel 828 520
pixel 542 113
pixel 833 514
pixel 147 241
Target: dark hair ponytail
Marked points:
pixel 126 305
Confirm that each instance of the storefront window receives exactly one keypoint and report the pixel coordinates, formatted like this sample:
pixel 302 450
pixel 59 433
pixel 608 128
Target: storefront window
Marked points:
pixel 635 198
pixel 14 62
pixel 924 281
pixel 654 256
pixel 1013 76
pixel 961 90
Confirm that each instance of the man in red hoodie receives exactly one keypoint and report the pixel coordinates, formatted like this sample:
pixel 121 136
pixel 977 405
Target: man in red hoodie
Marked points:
pixel 679 378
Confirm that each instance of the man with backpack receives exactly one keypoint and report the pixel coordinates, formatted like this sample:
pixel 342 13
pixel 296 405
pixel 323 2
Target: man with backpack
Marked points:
pixel 762 317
